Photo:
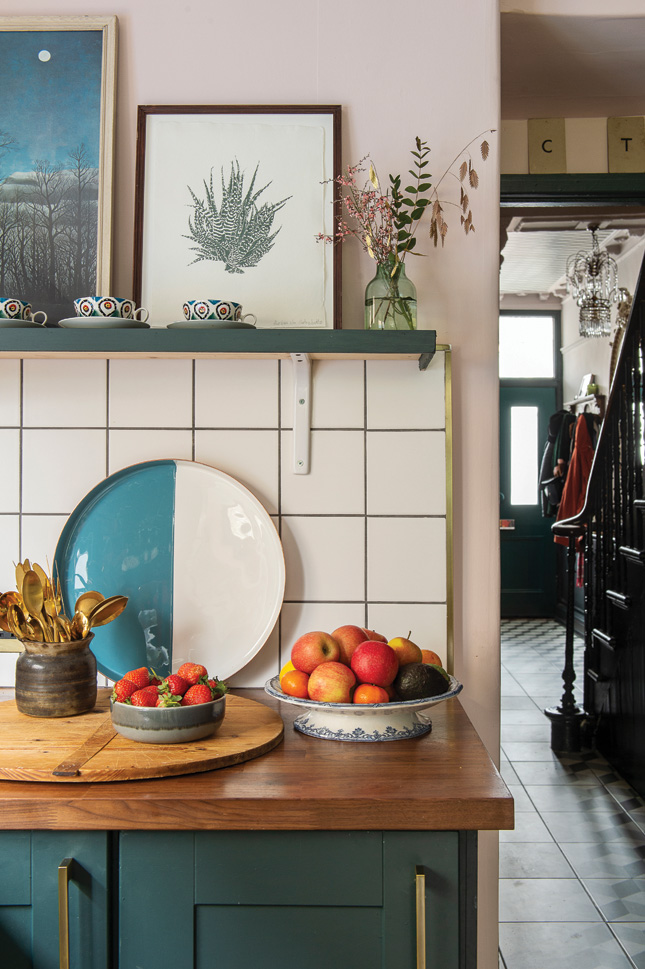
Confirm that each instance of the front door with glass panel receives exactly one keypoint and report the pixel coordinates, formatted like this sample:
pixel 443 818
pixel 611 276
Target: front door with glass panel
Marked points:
pixel 528 398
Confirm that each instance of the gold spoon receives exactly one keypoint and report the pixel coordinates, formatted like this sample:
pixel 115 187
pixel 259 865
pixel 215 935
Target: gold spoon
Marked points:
pixel 17 623
pixel 34 599
pixel 87 600
pixel 80 626
pixel 107 610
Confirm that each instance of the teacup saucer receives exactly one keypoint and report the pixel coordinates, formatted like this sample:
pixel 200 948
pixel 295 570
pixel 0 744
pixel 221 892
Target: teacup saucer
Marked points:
pixel 20 323
pixel 211 325
pixel 103 323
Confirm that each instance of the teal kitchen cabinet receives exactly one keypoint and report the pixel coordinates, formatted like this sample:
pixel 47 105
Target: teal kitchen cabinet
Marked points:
pixel 30 892
pixel 287 899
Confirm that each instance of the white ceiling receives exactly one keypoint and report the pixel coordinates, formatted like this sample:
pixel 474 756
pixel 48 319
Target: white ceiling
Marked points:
pixel 575 67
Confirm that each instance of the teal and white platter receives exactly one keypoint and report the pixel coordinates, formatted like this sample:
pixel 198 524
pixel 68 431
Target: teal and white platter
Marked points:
pixel 198 557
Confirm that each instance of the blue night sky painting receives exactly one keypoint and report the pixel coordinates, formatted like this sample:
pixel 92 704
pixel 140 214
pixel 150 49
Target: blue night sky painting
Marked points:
pixel 51 97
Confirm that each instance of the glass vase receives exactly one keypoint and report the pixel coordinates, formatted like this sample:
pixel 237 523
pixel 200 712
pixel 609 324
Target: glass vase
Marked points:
pixel 390 299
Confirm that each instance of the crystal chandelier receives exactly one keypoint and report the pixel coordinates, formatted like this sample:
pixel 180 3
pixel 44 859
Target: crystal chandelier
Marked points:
pixel 592 280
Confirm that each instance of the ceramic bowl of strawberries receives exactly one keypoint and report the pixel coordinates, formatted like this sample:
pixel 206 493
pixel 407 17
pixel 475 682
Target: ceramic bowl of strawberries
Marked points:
pixel 174 709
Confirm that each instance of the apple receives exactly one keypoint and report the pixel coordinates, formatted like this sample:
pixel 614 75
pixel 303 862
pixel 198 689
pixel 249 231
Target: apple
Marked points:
pixel 348 638
pixel 331 682
pixel 374 637
pixel 375 662
pixel 312 649
pixel 429 656
pixel 406 650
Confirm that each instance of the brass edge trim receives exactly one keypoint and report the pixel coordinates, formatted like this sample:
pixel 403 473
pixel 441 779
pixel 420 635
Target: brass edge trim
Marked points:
pixel 450 589
pixel 63 911
pixel 420 893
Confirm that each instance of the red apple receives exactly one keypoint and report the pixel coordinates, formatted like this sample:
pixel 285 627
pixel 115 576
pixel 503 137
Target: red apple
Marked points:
pixel 406 650
pixel 331 682
pixel 429 656
pixel 348 638
pixel 374 637
pixel 312 649
pixel 375 662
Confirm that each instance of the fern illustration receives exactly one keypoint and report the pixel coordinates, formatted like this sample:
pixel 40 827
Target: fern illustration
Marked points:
pixel 239 232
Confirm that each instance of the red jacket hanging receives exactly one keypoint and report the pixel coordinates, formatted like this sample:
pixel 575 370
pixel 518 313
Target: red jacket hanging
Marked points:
pixel 575 486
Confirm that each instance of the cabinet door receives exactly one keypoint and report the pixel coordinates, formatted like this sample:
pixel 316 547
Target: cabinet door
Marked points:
pixel 29 920
pixel 285 899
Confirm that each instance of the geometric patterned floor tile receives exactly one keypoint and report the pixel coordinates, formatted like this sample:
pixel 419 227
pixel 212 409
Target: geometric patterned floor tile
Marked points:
pixel 557 797
pixel 528 860
pixel 545 900
pixel 536 772
pixel 522 802
pixel 612 860
pixel 560 945
pixel 619 901
pixel 529 827
pixel 632 937
pixel 598 826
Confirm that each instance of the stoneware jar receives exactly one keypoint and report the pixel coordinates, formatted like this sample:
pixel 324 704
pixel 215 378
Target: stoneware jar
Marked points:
pixel 56 679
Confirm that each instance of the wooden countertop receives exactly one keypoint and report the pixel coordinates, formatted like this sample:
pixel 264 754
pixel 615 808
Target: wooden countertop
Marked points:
pixel 442 781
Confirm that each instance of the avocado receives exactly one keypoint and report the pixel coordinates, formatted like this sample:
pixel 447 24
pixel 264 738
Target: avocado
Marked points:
pixel 415 681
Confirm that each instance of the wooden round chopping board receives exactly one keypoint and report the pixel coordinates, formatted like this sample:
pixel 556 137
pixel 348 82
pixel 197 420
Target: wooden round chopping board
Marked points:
pixel 87 748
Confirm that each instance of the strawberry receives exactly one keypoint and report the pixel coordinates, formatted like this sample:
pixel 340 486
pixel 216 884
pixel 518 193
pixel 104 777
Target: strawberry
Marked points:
pixel 193 672
pixel 199 693
pixel 140 676
pixel 147 697
pixel 174 684
pixel 217 686
pixel 123 690
pixel 154 679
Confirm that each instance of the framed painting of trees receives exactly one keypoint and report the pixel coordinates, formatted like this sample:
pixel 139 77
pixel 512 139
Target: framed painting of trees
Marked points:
pixel 57 77
pixel 229 200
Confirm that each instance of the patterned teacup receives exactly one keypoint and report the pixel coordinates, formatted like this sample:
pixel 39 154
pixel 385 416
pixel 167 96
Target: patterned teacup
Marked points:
pixel 18 309
pixel 109 306
pixel 215 309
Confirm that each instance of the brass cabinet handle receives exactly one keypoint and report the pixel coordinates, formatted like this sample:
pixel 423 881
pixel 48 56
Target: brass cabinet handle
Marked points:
pixel 420 879
pixel 63 911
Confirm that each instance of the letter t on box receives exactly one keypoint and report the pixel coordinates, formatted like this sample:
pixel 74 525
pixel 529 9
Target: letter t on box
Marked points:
pixel 626 144
pixel 547 148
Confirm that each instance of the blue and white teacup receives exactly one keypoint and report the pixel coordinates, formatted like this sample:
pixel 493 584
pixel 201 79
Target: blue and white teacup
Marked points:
pixel 18 309
pixel 215 309
pixel 109 306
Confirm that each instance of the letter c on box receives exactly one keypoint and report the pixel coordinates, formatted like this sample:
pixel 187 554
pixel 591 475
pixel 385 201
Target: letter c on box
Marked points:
pixel 547 141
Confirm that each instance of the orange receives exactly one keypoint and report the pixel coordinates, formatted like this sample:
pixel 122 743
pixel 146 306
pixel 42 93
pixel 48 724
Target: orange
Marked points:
pixel 429 656
pixel 287 668
pixel 294 683
pixel 366 693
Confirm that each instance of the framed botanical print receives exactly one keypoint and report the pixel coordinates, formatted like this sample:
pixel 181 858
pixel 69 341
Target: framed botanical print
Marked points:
pixel 57 77
pixel 228 203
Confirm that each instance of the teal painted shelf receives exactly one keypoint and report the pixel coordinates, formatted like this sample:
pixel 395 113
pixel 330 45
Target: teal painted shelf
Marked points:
pixel 251 344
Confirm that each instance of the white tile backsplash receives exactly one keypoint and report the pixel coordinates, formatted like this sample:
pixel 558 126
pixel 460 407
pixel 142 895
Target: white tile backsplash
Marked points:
pixel 151 393
pixel 127 447
pixel 335 484
pixel 400 395
pixel 249 456
pixel 236 394
pixel 406 559
pixel 59 467
pixel 64 393
pixel 242 425
pixel 10 393
pixel 325 558
pixel 406 473
pixel 10 475
pixel 337 393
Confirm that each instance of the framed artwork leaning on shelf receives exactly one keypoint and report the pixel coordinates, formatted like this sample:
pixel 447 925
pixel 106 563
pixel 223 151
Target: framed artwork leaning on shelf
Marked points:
pixel 58 79
pixel 228 202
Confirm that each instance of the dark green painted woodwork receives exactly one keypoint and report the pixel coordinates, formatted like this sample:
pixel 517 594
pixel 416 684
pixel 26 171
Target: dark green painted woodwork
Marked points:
pixel 15 852
pixel 15 937
pixel 554 190
pixel 528 553
pixel 229 937
pixel 240 867
pixel 29 899
pixel 437 853
pixel 156 899
pixel 159 340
